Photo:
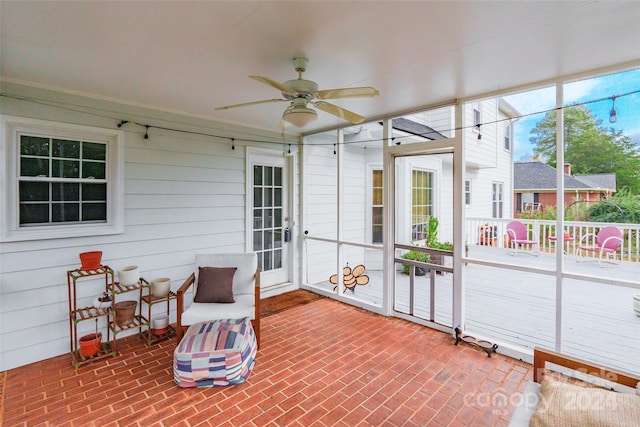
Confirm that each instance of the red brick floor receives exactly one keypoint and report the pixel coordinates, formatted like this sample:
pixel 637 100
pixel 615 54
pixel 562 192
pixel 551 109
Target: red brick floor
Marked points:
pixel 320 364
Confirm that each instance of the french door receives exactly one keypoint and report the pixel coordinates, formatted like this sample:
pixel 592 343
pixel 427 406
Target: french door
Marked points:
pixel 269 216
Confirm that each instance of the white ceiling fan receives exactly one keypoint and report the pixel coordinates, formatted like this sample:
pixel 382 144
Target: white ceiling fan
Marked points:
pixel 301 93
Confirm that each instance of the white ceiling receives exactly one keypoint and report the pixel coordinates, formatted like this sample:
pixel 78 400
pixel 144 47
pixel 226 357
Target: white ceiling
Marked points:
pixel 191 57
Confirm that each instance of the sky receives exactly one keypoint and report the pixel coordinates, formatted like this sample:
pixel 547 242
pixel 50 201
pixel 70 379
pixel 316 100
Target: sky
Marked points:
pixel 627 107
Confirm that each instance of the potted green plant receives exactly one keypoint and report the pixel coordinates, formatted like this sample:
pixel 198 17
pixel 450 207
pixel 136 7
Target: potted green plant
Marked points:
pixel 416 256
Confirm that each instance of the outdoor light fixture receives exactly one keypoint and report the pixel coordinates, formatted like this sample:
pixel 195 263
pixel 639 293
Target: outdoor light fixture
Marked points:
pixel 613 115
pixel 298 114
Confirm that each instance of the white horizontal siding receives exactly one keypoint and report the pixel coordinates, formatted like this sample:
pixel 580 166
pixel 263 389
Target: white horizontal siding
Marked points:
pixel 183 194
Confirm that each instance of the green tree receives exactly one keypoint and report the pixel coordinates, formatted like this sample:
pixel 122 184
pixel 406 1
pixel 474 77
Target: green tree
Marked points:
pixel 590 148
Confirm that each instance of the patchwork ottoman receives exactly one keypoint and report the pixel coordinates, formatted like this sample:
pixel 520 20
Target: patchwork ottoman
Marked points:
pixel 215 353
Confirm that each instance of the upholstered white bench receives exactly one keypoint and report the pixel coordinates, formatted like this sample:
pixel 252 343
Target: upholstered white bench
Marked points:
pixel 215 353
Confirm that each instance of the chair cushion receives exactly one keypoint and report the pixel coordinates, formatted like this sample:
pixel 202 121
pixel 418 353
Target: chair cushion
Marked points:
pixel 215 284
pixel 244 306
pixel 246 264
pixel 217 353
pixel 565 404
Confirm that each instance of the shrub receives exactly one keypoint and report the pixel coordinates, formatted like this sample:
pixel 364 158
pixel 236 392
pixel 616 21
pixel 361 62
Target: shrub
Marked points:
pixel 414 256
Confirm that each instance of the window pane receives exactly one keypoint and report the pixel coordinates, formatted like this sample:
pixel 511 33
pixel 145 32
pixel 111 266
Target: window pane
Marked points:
pixel 257 197
pixel 65 168
pixel 34 167
pixel 93 170
pixel 34 213
pixel 257 241
pixel 377 178
pixel 277 258
pixel 65 192
pixel 96 192
pixel 34 146
pixel 278 196
pixel 66 149
pixel 63 212
pixel 34 191
pixel 257 175
pixel 268 199
pixel 277 217
pixel 94 211
pixel 268 265
pixel 277 176
pixel 268 218
pixel 277 238
pixel 268 175
pixel 94 151
pixel 377 196
pixel 257 218
pixel 268 239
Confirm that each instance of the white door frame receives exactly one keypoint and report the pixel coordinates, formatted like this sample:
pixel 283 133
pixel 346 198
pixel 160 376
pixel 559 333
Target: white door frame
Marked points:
pixel 279 277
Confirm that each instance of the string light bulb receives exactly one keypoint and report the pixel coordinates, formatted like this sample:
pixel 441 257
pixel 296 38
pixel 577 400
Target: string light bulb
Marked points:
pixel 146 132
pixel 479 134
pixel 613 114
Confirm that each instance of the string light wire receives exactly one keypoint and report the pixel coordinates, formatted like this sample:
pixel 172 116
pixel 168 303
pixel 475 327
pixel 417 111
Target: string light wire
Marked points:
pixel 395 139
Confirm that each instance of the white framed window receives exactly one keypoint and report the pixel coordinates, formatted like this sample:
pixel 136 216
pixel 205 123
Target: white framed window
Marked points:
pixel 507 136
pixel 60 180
pixel 467 192
pixel 421 202
pixel 497 199
pixel 376 206
pixel 477 116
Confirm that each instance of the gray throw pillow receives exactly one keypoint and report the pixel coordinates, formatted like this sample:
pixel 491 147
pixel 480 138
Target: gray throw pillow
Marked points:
pixel 215 285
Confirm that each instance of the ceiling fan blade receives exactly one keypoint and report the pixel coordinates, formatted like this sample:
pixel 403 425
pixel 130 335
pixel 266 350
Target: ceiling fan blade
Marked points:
pixel 282 88
pixel 339 111
pixel 348 92
pixel 244 104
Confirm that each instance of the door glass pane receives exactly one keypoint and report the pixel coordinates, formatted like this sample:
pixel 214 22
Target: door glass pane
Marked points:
pixel 257 175
pixel 267 224
pixel 93 170
pixel 277 177
pixel 268 178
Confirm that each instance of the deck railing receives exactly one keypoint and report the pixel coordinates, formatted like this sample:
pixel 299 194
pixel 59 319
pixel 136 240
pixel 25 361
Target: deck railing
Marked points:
pixel 493 232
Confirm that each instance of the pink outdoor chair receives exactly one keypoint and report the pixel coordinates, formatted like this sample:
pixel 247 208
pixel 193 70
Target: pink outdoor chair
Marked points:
pixel 518 234
pixel 605 244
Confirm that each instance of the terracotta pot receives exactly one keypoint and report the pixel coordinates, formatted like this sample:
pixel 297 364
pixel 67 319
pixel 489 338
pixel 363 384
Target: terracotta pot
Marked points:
pixel 125 310
pixel 91 260
pixel 160 287
pixel 90 344
pixel 129 275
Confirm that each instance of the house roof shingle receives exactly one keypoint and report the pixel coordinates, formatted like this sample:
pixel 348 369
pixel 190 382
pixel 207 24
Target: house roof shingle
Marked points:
pixel 540 176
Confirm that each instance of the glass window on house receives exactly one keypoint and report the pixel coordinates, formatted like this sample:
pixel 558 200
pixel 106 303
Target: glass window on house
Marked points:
pixel 507 136
pixel 421 203
pixel 376 207
pixel 467 192
pixel 61 181
pixel 497 199
pixel 477 116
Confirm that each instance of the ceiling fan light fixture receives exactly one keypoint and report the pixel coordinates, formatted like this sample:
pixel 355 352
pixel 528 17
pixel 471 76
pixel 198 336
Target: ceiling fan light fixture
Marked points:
pixel 300 116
